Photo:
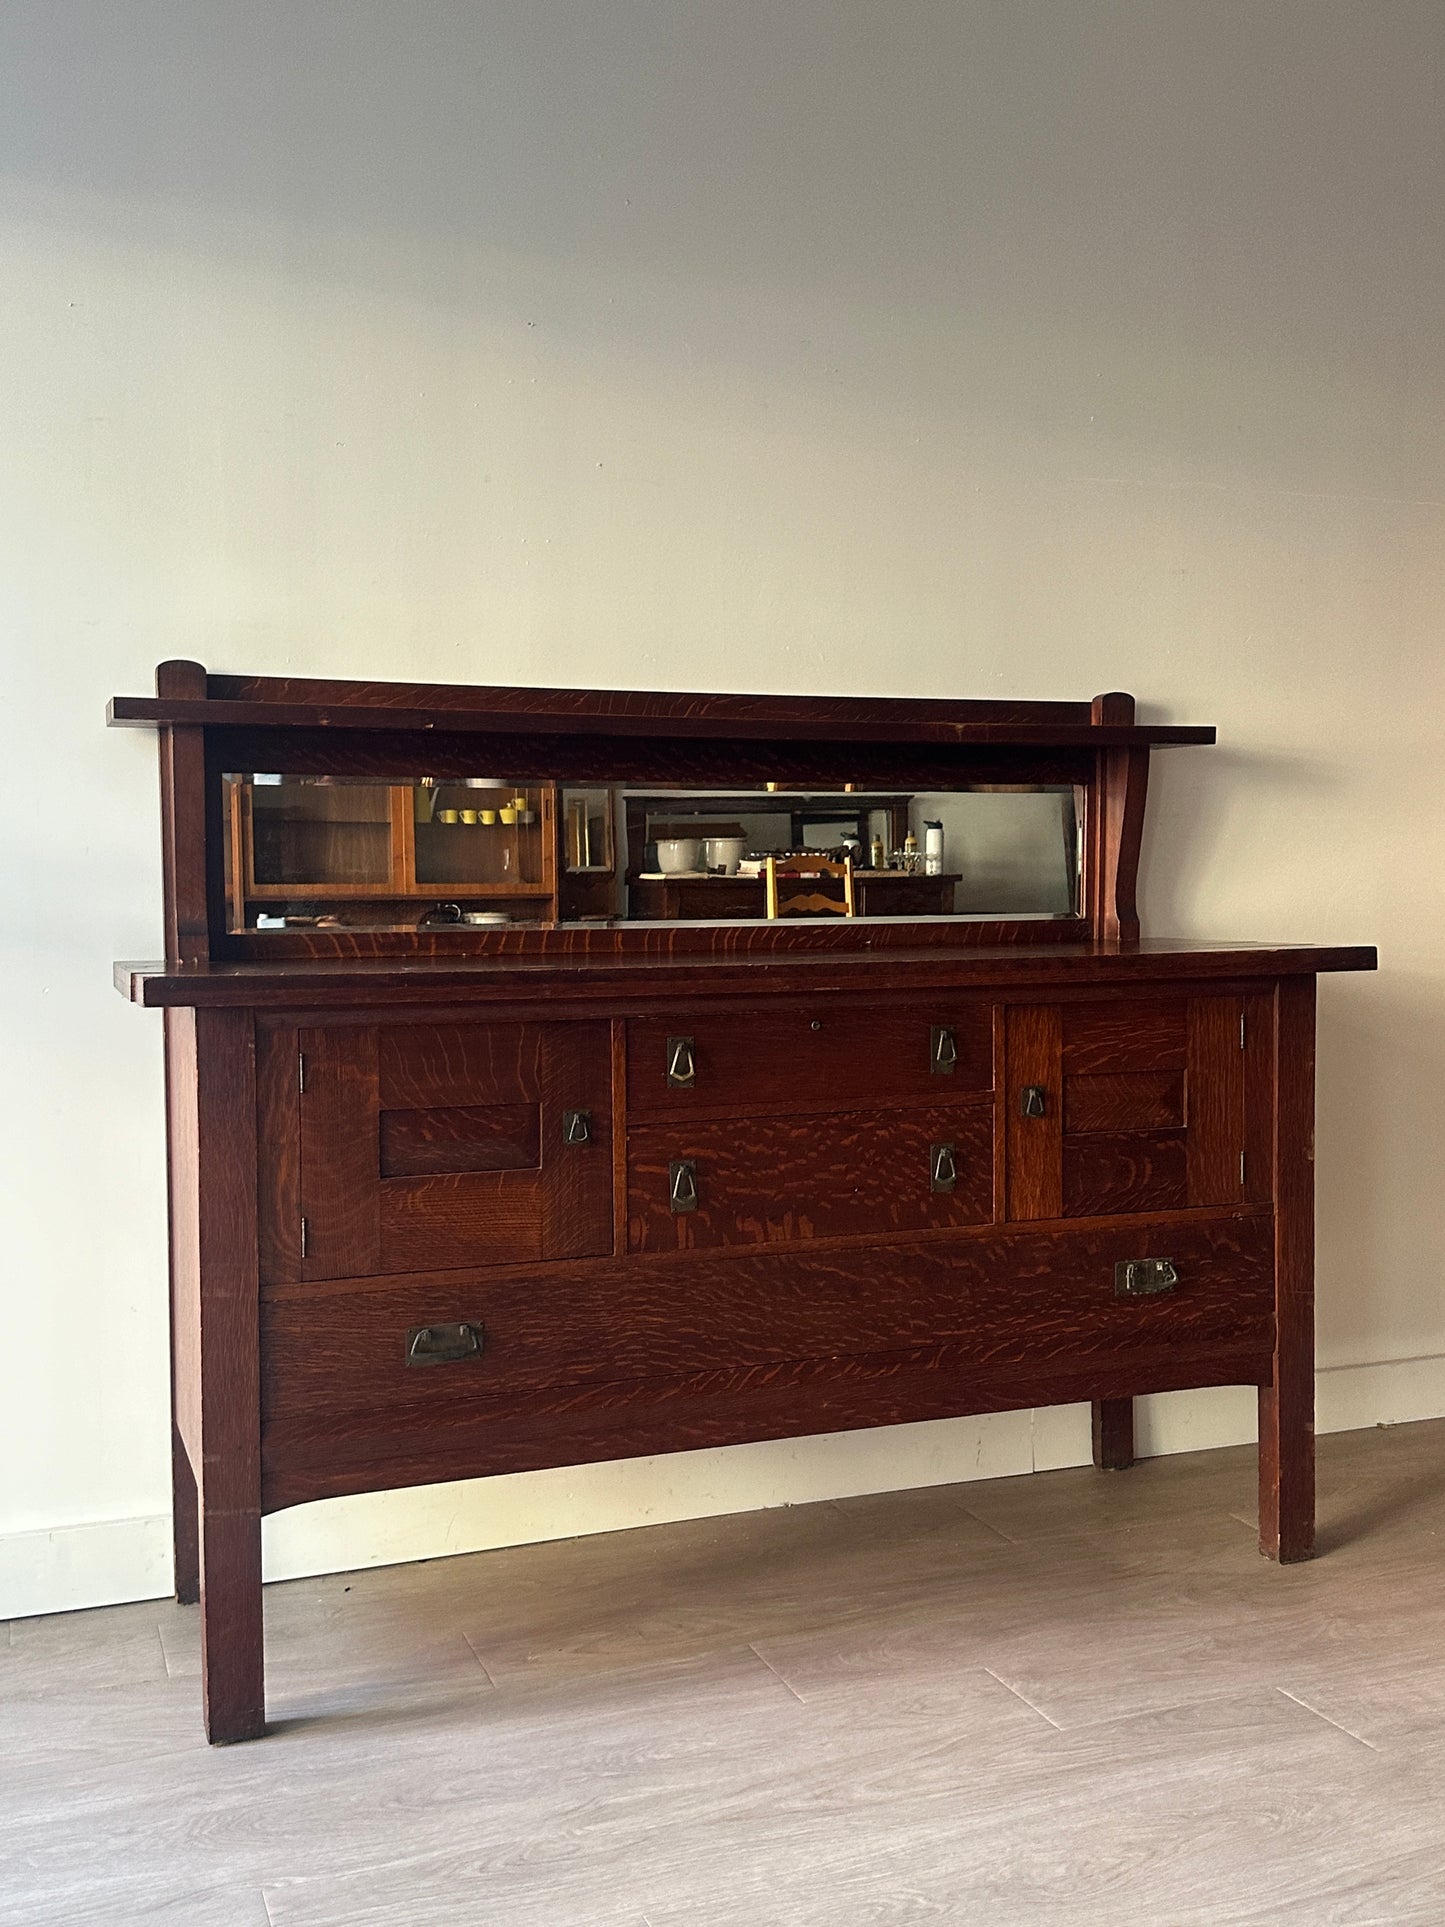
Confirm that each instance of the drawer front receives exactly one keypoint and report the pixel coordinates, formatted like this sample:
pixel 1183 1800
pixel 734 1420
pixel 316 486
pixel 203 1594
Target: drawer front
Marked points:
pixel 784 1180
pixel 799 1058
pixel 991 1301
pixel 434 1145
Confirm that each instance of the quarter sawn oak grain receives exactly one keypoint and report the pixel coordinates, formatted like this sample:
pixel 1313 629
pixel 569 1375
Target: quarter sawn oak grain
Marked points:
pixel 928 1156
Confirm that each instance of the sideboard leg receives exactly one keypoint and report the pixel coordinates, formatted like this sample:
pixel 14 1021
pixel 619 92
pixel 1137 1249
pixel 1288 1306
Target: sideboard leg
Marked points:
pixel 233 1676
pixel 185 1523
pixel 1287 1405
pixel 1286 1471
pixel 1114 1434
pixel 215 1322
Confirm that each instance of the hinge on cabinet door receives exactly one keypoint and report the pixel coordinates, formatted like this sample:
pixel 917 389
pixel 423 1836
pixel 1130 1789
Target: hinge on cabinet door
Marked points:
pixel 1241 1169
pixel 1242 1021
pixel 301 1072
pixel 305 1235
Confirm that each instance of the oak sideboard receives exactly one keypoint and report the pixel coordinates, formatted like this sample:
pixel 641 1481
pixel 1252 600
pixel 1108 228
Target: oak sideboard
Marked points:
pixel 507 1131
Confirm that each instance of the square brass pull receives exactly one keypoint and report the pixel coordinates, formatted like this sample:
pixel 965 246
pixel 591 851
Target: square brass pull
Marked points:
pixel 443 1344
pixel 1145 1277
pixel 942 1167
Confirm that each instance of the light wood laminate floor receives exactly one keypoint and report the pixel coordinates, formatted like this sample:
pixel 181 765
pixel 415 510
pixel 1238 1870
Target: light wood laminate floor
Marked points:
pixel 1079 1697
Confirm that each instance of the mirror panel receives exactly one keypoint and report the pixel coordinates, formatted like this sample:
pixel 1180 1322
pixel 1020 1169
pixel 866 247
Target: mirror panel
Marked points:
pixel 383 855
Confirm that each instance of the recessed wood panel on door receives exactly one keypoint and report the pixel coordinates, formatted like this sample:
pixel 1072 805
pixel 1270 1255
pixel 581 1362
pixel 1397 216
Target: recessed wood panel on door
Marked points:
pixel 434 1145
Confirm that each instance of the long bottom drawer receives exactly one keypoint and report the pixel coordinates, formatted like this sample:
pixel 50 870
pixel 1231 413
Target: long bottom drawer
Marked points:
pixel 340 1367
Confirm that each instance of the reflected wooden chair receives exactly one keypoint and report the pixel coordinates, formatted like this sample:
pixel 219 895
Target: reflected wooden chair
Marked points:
pixel 783 901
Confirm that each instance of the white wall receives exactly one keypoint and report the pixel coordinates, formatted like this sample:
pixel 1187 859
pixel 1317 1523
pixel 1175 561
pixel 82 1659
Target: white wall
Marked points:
pixel 920 347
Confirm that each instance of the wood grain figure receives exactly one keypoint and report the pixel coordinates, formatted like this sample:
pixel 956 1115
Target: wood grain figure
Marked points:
pixel 449 1200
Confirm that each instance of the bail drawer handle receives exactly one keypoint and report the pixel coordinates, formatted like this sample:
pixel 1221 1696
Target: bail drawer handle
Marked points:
pixel 1145 1277
pixel 942 1167
pixel 443 1344
pixel 682 1185
pixel 576 1127
pixel 942 1050
pixel 681 1065
pixel 1034 1101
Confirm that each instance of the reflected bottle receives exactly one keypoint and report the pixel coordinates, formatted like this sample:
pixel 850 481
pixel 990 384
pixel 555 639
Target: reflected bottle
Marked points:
pixel 933 848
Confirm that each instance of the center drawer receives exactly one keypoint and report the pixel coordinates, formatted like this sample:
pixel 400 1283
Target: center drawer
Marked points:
pixel 783 1180
pixel 799 1058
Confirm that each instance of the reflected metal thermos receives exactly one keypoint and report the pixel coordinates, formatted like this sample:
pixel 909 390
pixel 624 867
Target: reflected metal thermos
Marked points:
pixel 932 848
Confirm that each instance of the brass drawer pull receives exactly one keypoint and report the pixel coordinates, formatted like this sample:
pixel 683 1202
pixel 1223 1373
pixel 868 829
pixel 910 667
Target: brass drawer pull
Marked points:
pixel 681 1066
pixel 1145 1277
pixel 576 1127
pixel 942 1167
pixel 1034 1101
pixel 942 1050
pixel 682 1185
pixel 443 1344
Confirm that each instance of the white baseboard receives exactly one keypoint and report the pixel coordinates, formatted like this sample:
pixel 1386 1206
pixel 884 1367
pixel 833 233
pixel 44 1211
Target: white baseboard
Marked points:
pixel 100 1563
pixel 112 1560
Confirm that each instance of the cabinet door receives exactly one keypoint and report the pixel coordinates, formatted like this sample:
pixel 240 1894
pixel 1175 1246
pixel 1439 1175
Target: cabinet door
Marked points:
pixel 1130 1105
pixel 426 1146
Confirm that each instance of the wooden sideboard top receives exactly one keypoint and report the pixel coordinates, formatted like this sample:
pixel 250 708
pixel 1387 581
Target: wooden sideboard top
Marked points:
pixel 733 967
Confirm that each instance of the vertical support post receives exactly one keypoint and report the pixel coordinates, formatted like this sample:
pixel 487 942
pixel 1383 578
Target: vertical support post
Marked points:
pixel 1287 1404
pixel 1113 1434
pixel 183 820
pixel 185 1523
pixel 1117 829
pixel 217 1362
pixel 187 940
pixel 185 1390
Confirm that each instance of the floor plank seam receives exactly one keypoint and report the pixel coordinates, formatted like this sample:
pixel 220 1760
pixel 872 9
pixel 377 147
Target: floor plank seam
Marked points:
pixel 1357 1737
pixel 988 1526
pixel 1025 1698
pixel 777 1675
pixel 486 1675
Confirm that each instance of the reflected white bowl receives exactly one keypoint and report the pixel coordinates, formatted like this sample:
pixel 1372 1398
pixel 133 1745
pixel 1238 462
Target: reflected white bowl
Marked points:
pixel 676 854
pixel 725 853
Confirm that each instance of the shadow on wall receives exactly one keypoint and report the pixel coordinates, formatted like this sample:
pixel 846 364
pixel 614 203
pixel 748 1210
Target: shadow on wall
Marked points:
pixel 1198 798
pixel 1381 1058
pixel 1380 1040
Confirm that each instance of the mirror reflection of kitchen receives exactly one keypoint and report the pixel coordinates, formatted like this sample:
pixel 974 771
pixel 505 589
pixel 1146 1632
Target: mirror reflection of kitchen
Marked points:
pixel 995 851
pixel 357 853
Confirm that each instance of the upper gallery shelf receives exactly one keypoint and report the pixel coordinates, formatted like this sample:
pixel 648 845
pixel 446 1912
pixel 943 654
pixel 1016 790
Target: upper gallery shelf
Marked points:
pixel 239 702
